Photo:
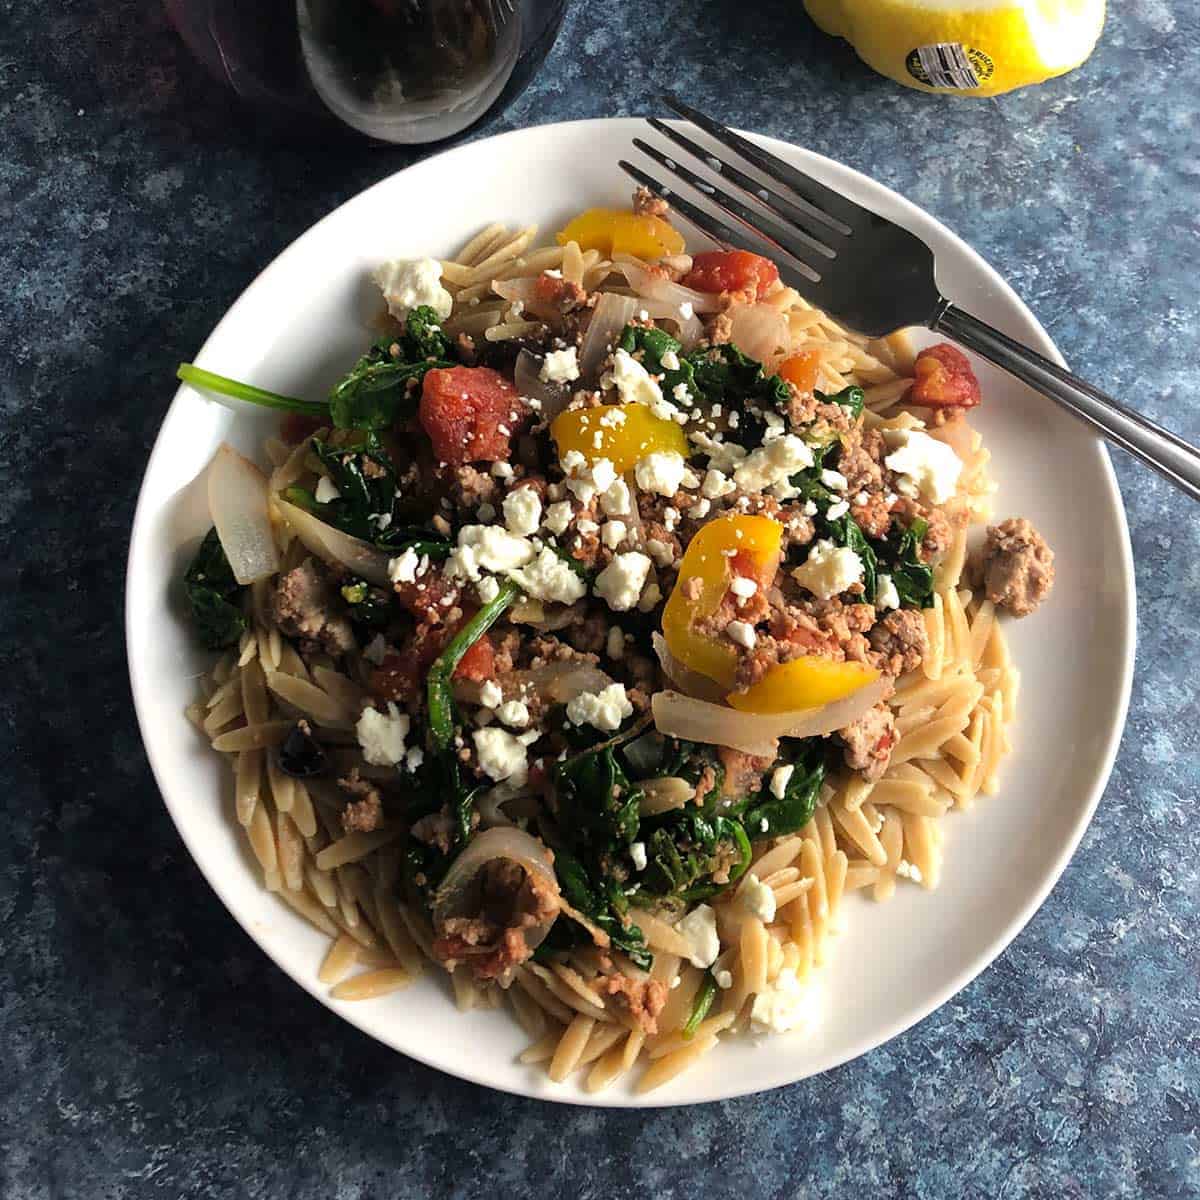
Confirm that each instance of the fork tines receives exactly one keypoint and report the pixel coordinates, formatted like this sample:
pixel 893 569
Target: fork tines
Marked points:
pixel 817 218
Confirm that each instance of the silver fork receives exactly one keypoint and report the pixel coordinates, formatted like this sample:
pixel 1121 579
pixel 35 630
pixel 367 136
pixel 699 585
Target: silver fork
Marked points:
pixel 875 276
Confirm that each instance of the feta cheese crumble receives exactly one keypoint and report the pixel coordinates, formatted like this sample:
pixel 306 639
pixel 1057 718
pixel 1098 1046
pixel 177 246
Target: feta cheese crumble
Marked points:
pixel 637 853
pixel 829 570
pixel 742 633
pixel 605 709
pixel 785 1004
pixel 886 595
pixel 926 466
pixel 661 472
pixel 409 283
pixel 549 578
pixel 522 511
pixel 381 735
pixel 560 366
pixel 757 899
pixel 404 568
pixel 513 713
pixel 780 778
pixel 699 930
pixel 635 384
pixel 488 547
pixel 613 533
pixel 620 583
pixel 501 755
pixel 326 490
pixel 490 694
pixel 773 463
pixel 558 516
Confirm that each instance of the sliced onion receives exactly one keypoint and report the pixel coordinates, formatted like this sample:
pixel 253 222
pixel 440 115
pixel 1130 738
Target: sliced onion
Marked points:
pixel 491 804
pixel 335 547
pixel 758 330
pixel 563 681
pixel 690 682
pixel 553 397
pixel 237 503
pixel 611 314
pixel 455 894
pixel 557 682
pixel 654 285
pixel 683 716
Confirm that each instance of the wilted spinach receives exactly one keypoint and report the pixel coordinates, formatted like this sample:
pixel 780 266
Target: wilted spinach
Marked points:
pixel 214 595
pixel 851 398
pixel 768 815
pixel 900 555
pixel 684 849
pixel 603 903
pixel 377 391
pixel 368 506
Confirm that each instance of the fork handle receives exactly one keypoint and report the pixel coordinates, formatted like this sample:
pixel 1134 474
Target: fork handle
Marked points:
pixel 1169 455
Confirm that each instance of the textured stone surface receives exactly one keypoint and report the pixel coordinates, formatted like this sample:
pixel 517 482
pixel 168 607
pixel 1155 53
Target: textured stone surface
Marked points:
pixel 153 1050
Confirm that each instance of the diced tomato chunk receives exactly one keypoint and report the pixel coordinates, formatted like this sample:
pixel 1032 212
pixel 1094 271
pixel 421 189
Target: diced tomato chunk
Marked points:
pixel 401 676
pixel 298 426
pixel 479 662
pixel 425 596
pixel 944 379
pixel 471 414
pixel 731 271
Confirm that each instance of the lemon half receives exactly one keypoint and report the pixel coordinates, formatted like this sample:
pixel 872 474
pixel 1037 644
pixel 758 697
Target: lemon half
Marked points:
pixel 965 47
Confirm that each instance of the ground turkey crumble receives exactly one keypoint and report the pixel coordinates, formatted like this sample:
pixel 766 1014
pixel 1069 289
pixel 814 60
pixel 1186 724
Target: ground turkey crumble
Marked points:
pixel 364 810
pixel 305 605
pixel 868 742
pixel 641 1000
pixel 1017 566
pixel 511 900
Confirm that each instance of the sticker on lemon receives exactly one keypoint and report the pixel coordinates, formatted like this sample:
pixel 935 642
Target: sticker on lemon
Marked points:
pixel 965 47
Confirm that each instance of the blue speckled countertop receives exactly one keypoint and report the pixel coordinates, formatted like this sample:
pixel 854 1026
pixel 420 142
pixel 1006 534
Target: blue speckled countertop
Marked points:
pixel 151 1049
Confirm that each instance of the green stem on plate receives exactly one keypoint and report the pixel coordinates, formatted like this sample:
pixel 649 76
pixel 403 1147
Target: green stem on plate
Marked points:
pixel 224 386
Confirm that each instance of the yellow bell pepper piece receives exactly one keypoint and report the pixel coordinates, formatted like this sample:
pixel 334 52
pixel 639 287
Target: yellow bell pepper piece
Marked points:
pixel 618 231
pixel 807 682
pixel 743 545
pixel 622 433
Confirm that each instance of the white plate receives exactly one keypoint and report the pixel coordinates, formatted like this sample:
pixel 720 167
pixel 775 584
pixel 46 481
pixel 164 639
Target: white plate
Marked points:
pixel 305 319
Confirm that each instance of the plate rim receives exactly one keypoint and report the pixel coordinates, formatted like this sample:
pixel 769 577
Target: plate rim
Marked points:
pixel 878 1037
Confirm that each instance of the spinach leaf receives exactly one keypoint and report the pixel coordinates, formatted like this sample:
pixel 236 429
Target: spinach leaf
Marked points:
pixel 724 375
pixel 851 398
pixel 214 596
pixel 653 343
pixel 368 504
pixel 423 337
pixel 845 531
pixel 900 555
pixel 606 906
pixel 382 386
pixel 771 816
pixel 597 802
pixel 372 395
pixel 684 850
